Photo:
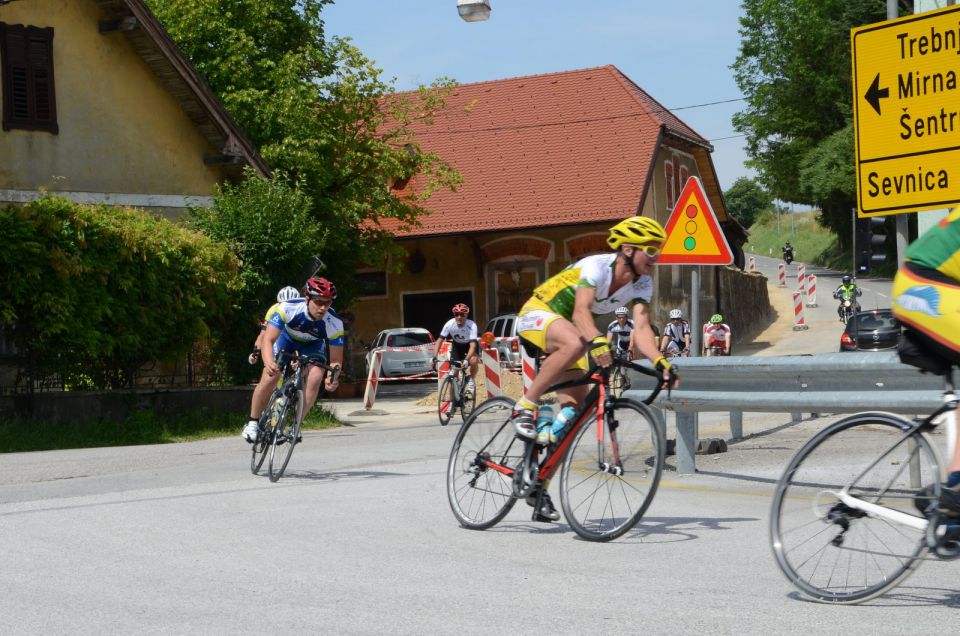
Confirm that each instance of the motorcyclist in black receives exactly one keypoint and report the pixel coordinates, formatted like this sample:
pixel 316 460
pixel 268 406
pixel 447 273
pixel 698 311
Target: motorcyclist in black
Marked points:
pixel 788 252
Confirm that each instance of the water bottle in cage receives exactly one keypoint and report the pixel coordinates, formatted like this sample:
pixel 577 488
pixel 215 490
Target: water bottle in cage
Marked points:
pixel 544 424
pixel 563 422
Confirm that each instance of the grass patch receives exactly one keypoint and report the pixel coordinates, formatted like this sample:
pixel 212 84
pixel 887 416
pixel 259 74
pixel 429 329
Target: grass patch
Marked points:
pixel 143 427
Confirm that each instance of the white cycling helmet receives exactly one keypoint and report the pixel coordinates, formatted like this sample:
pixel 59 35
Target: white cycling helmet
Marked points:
pixel 287 293
pixel 621 311
pixel 675 313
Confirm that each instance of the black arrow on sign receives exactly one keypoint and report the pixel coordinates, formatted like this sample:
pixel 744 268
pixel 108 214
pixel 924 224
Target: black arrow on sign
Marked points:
pixel 875 93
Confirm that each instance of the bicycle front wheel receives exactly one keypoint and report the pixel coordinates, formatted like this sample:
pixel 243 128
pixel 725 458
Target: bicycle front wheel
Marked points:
pixel 285 437
pixel 825 542
pixel 605 488
pixel 446 401
pixel 268 420
pixel 486 449
pixel 618 382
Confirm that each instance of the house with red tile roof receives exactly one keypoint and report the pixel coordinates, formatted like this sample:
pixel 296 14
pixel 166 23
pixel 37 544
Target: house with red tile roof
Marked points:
pixel 549 163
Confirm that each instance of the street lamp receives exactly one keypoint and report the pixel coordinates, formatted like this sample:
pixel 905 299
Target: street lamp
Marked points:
pixel 474 10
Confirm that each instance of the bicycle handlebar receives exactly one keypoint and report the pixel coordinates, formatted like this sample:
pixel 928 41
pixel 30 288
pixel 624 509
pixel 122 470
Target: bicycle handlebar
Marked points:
pixel 592 370
pixel 315 359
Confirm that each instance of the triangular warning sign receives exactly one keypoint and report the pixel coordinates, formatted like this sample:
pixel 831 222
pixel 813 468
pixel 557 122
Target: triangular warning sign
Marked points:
pixel 693 233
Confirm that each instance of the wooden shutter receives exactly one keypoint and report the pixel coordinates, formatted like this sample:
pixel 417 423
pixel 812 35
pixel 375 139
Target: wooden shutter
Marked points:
pixel 29 99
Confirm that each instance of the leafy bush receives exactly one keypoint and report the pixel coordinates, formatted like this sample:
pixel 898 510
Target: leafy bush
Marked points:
pixel 269 225
pixel 93 292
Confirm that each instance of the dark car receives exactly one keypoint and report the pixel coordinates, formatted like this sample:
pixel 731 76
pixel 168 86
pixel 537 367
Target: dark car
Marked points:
pixel 874 330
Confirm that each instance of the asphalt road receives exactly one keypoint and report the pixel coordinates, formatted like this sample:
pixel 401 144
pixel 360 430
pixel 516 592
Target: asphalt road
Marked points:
pixel 358 538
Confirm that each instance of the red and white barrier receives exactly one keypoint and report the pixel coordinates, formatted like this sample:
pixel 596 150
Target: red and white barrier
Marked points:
pixel 528 368
pixel 811 291
pixel 802 278
pixel 753 264
pixel 800 324
pixel 782 274
pixel 373 378
pixel 491 372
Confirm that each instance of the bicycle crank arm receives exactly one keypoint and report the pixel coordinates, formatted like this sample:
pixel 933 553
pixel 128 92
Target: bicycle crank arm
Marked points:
pixel 610 468
pixel 882 512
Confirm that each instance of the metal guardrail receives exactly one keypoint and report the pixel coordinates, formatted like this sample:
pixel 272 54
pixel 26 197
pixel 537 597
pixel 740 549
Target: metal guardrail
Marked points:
pixel 821 383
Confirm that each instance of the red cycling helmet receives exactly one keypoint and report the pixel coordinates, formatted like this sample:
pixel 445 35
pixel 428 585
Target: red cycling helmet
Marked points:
pixel 319 287
pixel 460 308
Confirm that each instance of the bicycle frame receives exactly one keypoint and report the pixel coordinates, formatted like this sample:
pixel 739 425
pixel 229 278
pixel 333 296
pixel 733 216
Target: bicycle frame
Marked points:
pixel 597 401
pixel 949 411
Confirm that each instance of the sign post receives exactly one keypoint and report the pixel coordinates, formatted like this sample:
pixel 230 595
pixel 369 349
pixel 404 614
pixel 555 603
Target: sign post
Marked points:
pixel 906 113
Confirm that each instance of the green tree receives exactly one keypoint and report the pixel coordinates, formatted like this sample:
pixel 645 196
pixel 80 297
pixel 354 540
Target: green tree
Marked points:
pixel 746 199
pixel 319 112
pixel 794 71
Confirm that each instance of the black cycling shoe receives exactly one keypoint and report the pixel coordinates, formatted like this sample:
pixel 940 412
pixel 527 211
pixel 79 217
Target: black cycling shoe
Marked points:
pixel 546 512
pixel 950 500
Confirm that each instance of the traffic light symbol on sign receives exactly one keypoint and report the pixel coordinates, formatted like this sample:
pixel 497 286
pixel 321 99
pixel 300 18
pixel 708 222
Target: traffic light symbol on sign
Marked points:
pixel 694 236
pixel 870 239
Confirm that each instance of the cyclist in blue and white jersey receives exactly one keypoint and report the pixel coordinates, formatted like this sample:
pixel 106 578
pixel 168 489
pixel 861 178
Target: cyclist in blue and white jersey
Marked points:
pixel 308 325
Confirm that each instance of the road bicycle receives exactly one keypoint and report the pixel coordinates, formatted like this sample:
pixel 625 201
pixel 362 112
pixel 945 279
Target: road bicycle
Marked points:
pixel 453 394
pixel 279 425
pixel 610 459
pixel 855 512
pixel 619 380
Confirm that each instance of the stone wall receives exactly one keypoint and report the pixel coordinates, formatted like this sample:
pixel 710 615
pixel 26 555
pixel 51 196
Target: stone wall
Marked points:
pixel 116 406
pixel 744 302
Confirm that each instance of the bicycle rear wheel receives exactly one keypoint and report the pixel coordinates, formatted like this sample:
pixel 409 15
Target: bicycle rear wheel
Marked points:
pixel 836 553
pixel 446 401
pixel 468 404
pixel 478 488
pixel 285 436
pixel 606 488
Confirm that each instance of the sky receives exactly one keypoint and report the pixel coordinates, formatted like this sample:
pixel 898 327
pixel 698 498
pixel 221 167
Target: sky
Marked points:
pixel 678 53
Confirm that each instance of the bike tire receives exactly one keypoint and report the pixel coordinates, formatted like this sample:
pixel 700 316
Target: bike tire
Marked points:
pixel 868 455
pixel 599 504
pixel 261 447
pixel 446 401
pixel 468 403
pixel 479 495
pixel 618 382
pixel 285 437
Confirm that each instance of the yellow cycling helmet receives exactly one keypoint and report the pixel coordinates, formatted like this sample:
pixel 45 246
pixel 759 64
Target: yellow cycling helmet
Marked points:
pixel 636 230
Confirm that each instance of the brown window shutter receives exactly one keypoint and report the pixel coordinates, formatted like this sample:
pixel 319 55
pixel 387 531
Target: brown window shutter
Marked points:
pixel 29 101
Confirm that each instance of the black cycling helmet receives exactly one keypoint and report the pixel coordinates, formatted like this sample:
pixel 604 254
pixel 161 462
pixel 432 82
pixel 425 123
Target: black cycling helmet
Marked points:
pixel 846 279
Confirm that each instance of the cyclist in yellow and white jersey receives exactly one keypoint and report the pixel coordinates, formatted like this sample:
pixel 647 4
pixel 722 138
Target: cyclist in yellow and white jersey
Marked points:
pixel 559 320
pixel 286 294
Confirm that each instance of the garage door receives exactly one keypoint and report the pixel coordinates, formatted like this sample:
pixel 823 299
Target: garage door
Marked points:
pixel 432 310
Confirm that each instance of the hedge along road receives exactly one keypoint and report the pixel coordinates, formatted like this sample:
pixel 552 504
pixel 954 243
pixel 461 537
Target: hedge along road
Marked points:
pixel 358 538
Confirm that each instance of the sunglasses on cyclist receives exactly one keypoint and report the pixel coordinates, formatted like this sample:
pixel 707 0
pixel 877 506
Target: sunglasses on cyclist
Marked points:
pixel 650 250
pixel 459 314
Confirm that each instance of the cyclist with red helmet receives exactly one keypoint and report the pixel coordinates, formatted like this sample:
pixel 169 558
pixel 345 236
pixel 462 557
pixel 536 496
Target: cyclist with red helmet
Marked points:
pixel 462 334
pixel 308 325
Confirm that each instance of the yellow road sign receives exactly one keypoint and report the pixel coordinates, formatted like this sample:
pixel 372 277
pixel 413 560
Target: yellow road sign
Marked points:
pixel 694 236
pixel 906 113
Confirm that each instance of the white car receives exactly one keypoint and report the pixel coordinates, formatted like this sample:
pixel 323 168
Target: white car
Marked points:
pixel 405 351
pixel 504 329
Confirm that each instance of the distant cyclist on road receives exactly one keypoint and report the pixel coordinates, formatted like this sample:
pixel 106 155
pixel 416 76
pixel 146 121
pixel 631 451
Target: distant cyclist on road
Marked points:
pixel 716 336
pixel 284 295
pixel 618 332
pixel 307 325
pixel 676 335
pixel 559 320
pixel 462 334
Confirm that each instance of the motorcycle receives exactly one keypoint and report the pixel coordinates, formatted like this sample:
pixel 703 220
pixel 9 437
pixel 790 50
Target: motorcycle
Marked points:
pixel 788 256
pixel 847 308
